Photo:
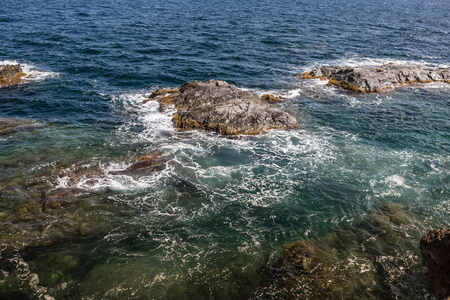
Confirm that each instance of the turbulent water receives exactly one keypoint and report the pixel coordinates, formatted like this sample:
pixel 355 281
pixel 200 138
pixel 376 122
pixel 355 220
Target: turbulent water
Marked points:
pixel 208 225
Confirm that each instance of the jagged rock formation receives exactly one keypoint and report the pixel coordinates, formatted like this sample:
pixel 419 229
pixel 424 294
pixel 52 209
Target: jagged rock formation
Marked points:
pixel 218 106
pixel 378 78
pixel 10 75
pixel 435 247
pixel 10 125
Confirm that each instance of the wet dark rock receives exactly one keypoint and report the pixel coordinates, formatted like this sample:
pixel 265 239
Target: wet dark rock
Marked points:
pixel 10 75
pixel 218 106
pixel 378 78
pixel 435 247
pixel 145 165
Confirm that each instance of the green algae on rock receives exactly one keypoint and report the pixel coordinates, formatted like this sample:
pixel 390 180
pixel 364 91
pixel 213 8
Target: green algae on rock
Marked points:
pixel 353 262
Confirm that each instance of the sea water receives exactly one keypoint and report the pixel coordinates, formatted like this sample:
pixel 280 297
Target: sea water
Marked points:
pixel 223 208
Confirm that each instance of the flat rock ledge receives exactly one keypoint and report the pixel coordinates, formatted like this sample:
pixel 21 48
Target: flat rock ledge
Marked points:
pixel 435 247
pixel 378 78
pixel 10 75
pixel 218 106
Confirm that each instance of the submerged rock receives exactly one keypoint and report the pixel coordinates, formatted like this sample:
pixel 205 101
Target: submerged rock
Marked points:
pixel 314 269
pixel 8 126
pixel 435 247
pixel 378 78
pixel 366 261
pixel 145 165
pixel 60 215
pixel 10 75
pixel 218 106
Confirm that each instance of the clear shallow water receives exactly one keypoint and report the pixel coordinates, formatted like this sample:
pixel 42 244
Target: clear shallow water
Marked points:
pixel 223 208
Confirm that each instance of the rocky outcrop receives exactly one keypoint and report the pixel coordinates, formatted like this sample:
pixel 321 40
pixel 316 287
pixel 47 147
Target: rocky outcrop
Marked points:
pixel 10 75
pixel 378 78
pixel 435 247
pixel 8 126
pixel 218 106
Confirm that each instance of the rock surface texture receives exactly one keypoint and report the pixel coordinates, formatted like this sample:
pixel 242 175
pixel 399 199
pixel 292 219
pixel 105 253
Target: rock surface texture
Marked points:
pixel 10 75
pixel 435 247
pixel 378 78
pixel 218 106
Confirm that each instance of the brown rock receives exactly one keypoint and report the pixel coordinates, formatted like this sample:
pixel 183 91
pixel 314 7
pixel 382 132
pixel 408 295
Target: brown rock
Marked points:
pixel 218 106
pixel 271 98
pixel 435 247
pixel 10 75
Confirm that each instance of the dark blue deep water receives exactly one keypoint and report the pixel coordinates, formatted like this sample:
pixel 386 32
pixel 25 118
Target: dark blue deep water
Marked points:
pixel 213 223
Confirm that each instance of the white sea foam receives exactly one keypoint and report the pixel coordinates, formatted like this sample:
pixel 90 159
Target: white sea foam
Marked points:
pixel 33 73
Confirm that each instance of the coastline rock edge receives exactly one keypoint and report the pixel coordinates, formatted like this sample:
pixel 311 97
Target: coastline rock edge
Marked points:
pixel 435 248
pixel 371 78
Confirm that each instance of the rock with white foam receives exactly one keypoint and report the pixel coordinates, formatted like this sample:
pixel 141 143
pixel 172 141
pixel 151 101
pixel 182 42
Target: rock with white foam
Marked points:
pixel 11 75
pixel 221 107
pixel 375 78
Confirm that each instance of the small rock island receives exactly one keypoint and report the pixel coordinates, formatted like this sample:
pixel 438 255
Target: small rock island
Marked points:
pixel 378 78
pixel 218 106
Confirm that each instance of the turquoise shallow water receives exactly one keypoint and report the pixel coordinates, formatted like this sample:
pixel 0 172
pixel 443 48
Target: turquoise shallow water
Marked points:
pixel 208 225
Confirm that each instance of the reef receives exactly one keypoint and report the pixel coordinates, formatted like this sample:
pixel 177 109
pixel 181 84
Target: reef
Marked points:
pixel 11 75
pixel 372 78
pixel 221 107
pixel 361 262
pixel 435 247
